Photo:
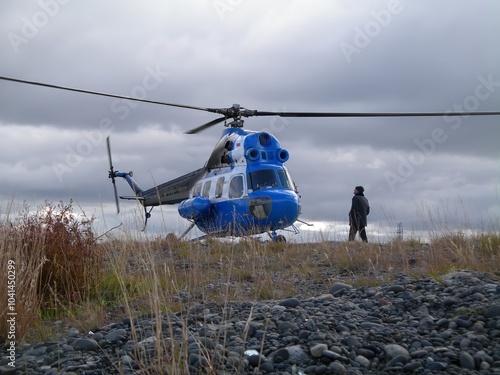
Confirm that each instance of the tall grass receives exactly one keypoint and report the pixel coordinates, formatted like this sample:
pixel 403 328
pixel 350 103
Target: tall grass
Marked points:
pixel 64 273
pixel 57 262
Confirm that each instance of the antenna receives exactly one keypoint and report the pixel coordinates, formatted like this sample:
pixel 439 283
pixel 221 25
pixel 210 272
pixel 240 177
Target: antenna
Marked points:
pixel 399 232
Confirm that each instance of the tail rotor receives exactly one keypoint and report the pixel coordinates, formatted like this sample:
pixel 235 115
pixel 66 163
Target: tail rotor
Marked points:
pixel 112 175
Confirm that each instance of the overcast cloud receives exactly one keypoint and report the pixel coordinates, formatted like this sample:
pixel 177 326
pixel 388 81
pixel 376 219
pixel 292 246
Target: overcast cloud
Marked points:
pixel 341 56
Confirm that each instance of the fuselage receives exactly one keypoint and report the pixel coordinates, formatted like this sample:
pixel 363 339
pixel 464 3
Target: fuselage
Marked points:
pixel 246 188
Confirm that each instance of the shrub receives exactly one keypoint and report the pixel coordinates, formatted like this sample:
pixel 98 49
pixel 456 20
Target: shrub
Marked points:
pixel 56 257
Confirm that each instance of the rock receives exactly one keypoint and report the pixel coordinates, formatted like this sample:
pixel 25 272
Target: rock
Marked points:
pixel 394 350
pixel 127 360
pixel 116 335
pixel 297 354
pixel 85 344
pixel 467 361
pixel 363 361
pixel 395 288
pixel 338 289
pixel 73 332
pixel 290 302
pixel 287 326
pixel 337 368
pixel 279 356
pixel 492 312
pixel 317 350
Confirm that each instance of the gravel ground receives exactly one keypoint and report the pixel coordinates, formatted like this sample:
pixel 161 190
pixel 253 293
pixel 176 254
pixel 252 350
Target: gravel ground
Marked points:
pixel 406 326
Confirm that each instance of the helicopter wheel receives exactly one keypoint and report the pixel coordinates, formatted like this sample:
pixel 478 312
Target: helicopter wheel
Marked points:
pixel 280 238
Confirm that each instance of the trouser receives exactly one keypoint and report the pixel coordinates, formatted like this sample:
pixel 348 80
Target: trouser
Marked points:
pixel 355 229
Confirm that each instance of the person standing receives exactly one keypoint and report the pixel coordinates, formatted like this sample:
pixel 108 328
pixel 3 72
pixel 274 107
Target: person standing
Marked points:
pixel 360 209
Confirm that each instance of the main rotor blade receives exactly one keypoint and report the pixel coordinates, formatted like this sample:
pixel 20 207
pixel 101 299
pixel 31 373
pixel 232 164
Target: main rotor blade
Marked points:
pixel 205 126
pixel 236 111
pixel 104 94
pixel 249 113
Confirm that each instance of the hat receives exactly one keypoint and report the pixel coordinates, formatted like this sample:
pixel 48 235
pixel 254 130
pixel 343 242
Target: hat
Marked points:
pixel 360 188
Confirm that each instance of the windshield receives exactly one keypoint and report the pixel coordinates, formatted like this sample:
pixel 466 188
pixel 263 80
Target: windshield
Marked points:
pixel 262 179
pixel 286 180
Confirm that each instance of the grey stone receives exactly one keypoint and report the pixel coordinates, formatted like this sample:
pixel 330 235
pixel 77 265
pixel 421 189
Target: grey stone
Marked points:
pixel 338 289
pixel 127 360
pixel 492 312
pixel 297 354
pixel 317 350
pixel 337 368
pixel 363 361
pixel 395 288
pixel 116 335
pixel 394 350
pixel 467 361
pixel 85 344
pixel 290 302
pixel 73 332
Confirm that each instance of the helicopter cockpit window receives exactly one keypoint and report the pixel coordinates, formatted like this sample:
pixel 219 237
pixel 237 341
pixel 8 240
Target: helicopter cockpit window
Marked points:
pixel 218 187
pixel 197 190
pixel 236 187
pixel 262 179
pixel 206 189
pixel 284 179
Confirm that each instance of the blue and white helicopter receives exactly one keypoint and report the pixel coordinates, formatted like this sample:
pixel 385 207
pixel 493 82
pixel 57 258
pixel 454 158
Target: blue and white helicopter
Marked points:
pixel 244 187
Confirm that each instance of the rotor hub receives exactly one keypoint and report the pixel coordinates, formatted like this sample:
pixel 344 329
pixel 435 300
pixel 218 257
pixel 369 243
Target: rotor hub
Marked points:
pixel 235 124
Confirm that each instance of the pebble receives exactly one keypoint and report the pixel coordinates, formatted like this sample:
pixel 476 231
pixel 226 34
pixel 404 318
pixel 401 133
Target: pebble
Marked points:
pixel 424 325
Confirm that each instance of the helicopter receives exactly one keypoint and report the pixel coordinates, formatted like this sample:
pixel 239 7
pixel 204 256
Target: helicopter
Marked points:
pixel 244 188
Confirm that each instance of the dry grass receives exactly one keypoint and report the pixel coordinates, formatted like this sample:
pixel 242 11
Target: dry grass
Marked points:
pixel 63 274
pixel 56 262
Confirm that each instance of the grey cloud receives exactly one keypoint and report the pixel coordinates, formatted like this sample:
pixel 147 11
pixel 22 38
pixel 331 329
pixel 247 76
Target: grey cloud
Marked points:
pixel 279 56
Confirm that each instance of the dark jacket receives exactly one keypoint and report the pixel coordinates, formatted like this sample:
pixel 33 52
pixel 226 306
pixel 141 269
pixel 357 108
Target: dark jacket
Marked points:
pixel 359 211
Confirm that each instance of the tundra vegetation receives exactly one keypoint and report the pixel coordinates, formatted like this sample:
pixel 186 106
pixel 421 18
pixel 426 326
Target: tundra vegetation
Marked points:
pixel 66 273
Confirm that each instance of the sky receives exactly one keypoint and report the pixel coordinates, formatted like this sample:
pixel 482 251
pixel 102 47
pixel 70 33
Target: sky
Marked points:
pixel 343 56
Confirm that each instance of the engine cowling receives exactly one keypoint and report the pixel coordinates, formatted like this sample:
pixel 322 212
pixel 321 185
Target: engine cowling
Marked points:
pixel 195 208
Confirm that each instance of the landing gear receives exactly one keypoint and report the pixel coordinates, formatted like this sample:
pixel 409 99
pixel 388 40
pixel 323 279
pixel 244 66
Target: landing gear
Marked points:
pixel 191 226
pixel 277 237
pixel 147 215
pixel 280 238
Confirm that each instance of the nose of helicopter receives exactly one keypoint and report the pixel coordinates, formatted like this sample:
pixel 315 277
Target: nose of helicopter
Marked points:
pixel 279 208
